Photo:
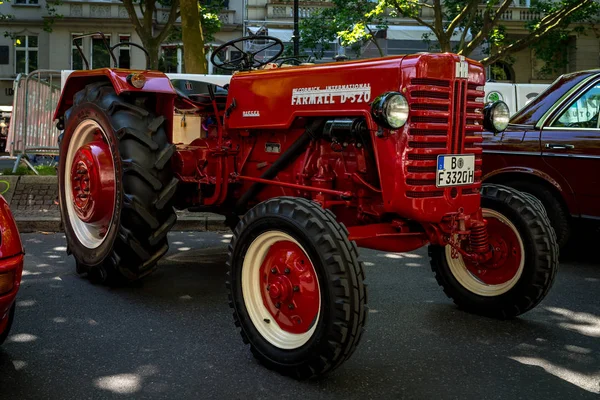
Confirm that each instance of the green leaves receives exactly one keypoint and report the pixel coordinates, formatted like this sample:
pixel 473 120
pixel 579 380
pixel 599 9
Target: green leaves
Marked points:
pixel 350 22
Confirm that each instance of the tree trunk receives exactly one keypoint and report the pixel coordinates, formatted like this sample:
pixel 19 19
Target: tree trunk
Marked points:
pixel 153 59
pixel 444 42
pixel 193 38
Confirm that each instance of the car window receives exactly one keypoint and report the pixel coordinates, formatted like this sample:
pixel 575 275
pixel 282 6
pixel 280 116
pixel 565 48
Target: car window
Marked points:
pixel 583 112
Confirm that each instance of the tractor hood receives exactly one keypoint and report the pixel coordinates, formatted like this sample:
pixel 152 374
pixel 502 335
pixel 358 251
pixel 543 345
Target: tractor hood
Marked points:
pixel 273 99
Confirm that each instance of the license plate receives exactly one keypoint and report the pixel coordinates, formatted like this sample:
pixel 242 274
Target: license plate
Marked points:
pixel 455 170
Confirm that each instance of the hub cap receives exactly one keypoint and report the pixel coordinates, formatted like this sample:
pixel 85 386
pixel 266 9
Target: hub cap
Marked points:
pixel 89 184
pixel 502 272
pixel 281 290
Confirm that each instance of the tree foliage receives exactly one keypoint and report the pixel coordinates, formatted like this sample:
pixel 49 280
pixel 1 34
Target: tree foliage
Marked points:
pixel 452 20
pixel 352 22
pixel 153 35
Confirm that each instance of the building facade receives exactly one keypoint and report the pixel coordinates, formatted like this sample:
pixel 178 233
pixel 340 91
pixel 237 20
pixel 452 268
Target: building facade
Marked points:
pixel 25 46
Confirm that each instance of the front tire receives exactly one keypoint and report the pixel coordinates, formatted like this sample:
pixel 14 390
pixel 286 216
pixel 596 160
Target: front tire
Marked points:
pixel 115 184
pixel 522 277
pixel 296 287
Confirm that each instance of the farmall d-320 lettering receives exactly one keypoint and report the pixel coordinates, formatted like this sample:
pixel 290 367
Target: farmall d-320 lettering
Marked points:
pixel 307 163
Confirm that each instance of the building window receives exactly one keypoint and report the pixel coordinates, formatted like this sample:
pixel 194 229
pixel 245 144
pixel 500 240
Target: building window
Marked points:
pixel 76 60
pixel 501 71
pixel 100 55
pixel 124 55
pixel 172 59
pixel 26 54
pixel 29 2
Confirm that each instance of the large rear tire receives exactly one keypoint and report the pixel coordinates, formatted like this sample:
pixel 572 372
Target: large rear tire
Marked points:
pixel 522 276
pixel 296 287
pixel 115 184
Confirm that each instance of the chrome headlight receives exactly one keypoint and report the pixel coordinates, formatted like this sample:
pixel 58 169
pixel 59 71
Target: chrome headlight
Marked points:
pixel 390 110
pixel 496 116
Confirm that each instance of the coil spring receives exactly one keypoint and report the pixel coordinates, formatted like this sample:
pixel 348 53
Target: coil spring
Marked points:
pixel 478 238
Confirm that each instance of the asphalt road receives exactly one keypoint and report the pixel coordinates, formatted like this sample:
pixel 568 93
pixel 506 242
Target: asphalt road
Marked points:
pixel 172 337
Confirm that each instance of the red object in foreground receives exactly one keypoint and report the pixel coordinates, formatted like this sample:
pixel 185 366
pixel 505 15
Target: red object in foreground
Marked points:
pixel 290 287
pixel 11 266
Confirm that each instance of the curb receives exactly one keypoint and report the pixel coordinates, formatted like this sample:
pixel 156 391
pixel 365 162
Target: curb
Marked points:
pixel 184 223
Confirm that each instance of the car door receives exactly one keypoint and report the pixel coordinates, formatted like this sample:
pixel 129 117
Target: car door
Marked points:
pixel 571 144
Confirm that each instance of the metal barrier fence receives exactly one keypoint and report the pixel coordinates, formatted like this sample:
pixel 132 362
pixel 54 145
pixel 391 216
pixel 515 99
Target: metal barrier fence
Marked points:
pixel 32 130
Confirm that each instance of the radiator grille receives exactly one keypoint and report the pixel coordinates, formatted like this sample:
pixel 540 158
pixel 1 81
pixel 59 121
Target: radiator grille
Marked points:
pixel 446 117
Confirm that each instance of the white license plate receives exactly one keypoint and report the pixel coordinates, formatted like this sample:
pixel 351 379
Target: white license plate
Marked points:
pixel 455 170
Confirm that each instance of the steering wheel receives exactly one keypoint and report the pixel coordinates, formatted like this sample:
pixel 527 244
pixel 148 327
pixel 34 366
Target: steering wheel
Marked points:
pixel 134 45
pixel 247 59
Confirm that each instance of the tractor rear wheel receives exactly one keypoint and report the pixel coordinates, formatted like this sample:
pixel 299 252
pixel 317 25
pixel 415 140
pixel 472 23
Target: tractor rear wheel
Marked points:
pixel 115 184
pixel 524 264
pixel 296 287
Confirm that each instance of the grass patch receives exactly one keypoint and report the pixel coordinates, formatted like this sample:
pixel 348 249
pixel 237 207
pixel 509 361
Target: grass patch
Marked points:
pixel 24 170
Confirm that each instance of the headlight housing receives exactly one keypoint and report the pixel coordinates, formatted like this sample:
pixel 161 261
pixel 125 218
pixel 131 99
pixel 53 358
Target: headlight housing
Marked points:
pixel 390 110
pixel 496 116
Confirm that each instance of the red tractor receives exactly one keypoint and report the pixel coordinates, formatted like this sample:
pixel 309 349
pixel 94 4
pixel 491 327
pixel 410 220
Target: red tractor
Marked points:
pixel 307 163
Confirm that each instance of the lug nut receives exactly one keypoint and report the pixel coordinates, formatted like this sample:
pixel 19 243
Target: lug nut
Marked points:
pixel 268 287
pixel 287 271
pixel 277 305
pixel 81 171
pixel 78 188
pixel 291 306
pixel 296 288
pixel 274 270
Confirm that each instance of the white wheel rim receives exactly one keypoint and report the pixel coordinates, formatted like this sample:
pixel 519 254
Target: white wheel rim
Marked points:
pixel 252 294
pixel 471 282
pixel 87 234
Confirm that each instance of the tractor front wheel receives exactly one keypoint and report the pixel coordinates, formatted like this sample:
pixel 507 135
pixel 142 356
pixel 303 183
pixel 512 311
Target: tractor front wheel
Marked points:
pixel 115 184
pixel 296 287
pixel 524 264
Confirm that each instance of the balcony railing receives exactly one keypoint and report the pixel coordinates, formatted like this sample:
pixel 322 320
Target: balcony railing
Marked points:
pixel 516 14
pixel 285 9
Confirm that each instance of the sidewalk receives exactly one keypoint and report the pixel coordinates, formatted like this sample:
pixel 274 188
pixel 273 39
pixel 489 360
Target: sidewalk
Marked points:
pixel 32 200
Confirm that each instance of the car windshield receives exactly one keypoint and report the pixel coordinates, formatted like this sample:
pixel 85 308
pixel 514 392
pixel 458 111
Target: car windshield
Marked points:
pixel 532 112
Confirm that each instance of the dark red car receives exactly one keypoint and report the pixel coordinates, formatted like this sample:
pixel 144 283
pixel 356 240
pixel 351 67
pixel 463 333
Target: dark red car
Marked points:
pixel 551 149
pixel 11 268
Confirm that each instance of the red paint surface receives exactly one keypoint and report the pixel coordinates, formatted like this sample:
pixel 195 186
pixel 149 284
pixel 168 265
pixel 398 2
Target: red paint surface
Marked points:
pixel 156 82
pixel 11 258
pixel 290 289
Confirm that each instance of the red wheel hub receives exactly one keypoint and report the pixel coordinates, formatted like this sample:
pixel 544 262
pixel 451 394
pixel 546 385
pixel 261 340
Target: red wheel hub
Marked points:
pixel 290 288
pixel 93 183
pixel 507 255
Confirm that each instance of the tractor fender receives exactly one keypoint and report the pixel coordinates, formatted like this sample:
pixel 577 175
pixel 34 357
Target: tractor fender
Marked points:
pixel 156 82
